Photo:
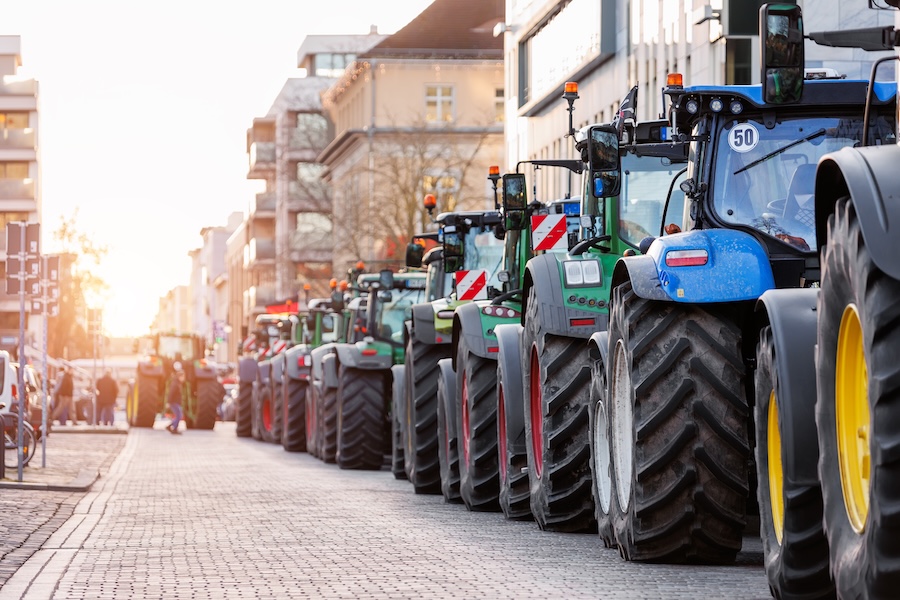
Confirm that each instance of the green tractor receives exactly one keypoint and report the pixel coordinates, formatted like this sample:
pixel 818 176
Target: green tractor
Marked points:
pixel 319 325
pixel 202 392
pixel 359 371
pixel 470 243
pixel 475 408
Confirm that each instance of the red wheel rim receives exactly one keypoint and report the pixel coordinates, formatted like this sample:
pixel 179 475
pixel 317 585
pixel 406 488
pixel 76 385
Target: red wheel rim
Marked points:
pixel 537 415
pixel 465 419
pixel 267 414
pixel 501 432
pixel 310 421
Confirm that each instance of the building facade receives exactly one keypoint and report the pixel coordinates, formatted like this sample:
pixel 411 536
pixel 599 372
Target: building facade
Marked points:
pixel 20 175
pixel 609 46
pixel 419 113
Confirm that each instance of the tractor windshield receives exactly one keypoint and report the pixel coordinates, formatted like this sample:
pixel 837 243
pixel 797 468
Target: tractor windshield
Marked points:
pixel 172 346
pixel 393 313
pixel 484 251
pixel 645 184
pixel 765 175
pixel 329 328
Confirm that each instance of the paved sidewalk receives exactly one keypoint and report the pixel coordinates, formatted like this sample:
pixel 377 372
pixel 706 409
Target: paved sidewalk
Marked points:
pixel 32 510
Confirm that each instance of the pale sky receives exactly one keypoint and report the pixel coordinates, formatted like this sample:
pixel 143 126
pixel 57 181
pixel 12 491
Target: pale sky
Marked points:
pixel 144 108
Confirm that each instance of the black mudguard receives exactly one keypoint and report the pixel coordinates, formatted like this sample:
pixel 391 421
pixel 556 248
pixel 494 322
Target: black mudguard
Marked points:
pixel 349 355
pixel 509 338
pixel 423 323
pixel 467 322
pixel 296 365
pixel 247 369
pixel 792 316
pixel 870 176
pixel 600 344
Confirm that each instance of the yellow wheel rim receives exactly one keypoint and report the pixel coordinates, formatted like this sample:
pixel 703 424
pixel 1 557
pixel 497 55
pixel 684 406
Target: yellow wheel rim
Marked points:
pixel 852 418
pixel 776 469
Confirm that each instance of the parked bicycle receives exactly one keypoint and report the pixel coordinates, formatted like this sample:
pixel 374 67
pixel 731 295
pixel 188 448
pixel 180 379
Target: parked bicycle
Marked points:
pixel 10 437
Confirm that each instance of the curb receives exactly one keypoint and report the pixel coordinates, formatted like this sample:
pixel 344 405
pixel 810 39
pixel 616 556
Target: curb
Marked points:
pixel 82 483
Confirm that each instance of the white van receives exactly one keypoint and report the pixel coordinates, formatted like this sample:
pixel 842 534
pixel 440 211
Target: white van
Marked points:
pixel 8 377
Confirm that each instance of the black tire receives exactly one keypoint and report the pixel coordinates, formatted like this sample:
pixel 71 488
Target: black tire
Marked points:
pixel 514 496
pixel 793 536
pixel 398 393
pixel 209 395
pixel 148 401
pixel 448 455
pixel 865 551
pixel 328 424
pixel 556 390
pixel 277 390
pixel 420 423
pixel 243 413
pixel 361 440
pixel 312 420
pixel 11 438
pixel 603 482
pixel 476 425
pixel 293 418
pixel 680 431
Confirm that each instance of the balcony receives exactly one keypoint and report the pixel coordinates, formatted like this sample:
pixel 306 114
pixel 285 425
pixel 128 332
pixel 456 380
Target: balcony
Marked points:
pixel 260 253
pixel 18 139
pixel 263 206
pixel 13 86
pixel 262 160
pixel 17 195
pixel 257 297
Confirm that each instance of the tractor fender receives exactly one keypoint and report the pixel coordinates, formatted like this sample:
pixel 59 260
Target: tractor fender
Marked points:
pixel 600 344
pixel 277 368
pixel 736 268
pixel 509 356
pixel 422 324
pixel 467 322
pixel 247 368
pixel 264 372
pixel 449 376
pixel 297 362
pixel 871 178
pixel 330 370
pixel 350 355
pixel 792 316
pixel 542 273
pixel 204 372
pixel 150 369
pixel 316 356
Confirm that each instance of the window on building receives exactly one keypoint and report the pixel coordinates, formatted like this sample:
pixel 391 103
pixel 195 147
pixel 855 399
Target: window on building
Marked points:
pixel 499 105
pixel 444 186
pixel 311 131
pixel 331 65
pixel 9 217
pixel 13 170
pixel 738 61
pixel 13 120
pixel 439 104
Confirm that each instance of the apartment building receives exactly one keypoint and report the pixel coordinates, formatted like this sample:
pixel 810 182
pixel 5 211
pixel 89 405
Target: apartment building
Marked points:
pixel 20 176
pixel 608 46
pixel 421 112
pixel 285 241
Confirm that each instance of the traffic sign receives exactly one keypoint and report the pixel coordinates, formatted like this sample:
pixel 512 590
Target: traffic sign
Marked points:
pixel 51 267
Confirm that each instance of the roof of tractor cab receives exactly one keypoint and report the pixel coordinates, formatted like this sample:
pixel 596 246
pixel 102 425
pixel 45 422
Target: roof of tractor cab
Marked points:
pixel 815 92
pixel 476 217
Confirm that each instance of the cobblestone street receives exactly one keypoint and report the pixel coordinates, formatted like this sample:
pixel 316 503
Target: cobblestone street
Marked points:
pixel 210 515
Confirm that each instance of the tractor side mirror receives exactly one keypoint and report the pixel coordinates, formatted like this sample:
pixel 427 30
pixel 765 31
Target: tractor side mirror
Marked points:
pixel 515 199
pixel 781 27
pixel 603 159
pixel 414 254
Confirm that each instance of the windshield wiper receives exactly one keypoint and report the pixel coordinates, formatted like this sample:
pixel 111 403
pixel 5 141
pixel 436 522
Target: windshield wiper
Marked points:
pixel 811 136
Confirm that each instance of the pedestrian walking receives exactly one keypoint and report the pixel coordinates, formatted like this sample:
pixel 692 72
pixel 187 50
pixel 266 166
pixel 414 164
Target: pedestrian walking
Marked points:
pixel 176 390
pixel 65 398
pixel 107 392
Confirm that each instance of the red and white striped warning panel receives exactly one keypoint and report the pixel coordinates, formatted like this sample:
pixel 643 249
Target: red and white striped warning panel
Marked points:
pixel 548 232
pixel 471 285
pixel 249 344
pixel 278 347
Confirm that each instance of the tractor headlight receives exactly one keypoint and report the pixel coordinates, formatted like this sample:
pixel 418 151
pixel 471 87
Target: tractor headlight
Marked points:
pixel 582 273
